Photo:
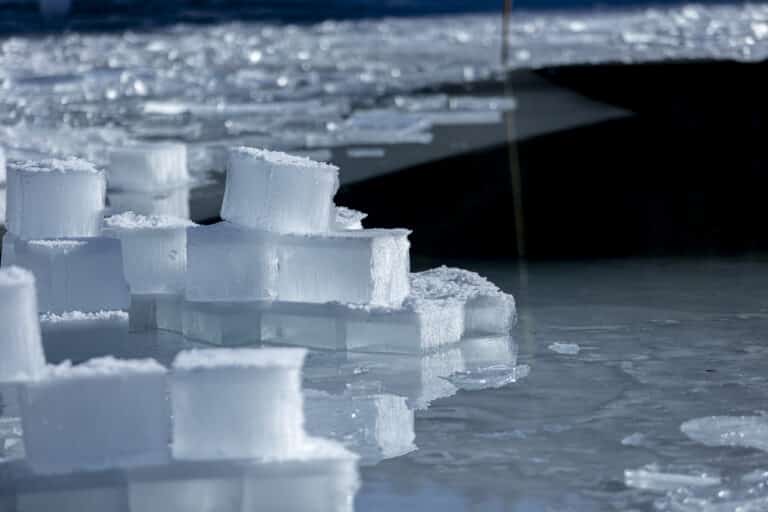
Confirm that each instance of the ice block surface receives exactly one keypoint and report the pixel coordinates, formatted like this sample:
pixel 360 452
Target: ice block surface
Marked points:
pixel 278 192
pixel 21 351
pixel 55 199
pixel 148 166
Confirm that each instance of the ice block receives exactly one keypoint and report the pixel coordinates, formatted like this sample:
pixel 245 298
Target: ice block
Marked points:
pixel 148 166
pixel 21 350
pixel 347 218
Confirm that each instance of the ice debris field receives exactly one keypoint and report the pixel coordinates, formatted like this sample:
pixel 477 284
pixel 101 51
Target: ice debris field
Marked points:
pixel 285 267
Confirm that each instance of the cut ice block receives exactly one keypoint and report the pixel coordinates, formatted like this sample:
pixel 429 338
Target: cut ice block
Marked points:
pixel 76 275
pixel 488 310
pixel 222 323
pixel 102 414
pixel 376 427
pixel 156 311
pixel 278 192
pixel 21 351
pixel 148 166
pixel 367 266
pixel 89 332
pixel 237 403
pixel 306 325
pixel 347 218
pixel 154 250
pixel 55 199
pixel 228 263
pixel 173 202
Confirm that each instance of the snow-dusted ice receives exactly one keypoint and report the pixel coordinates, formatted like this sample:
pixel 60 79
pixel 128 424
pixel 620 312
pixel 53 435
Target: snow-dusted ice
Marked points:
pixel 55 199
pixel 278 192
pixel 347 218
pixel 237 403
pixel 147 167
pixel 154 250
pixel 21 350
pixel 102 414
pixel 652 478
pixel 84 274
pixel 84 328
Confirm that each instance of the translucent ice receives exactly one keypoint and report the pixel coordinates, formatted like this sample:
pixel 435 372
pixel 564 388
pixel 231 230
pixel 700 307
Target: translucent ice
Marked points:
pixel 237 403
pixel 154 250
pixel 83 329
pixel 156 311
pixel 746 431
pixel 21 351
pixel 76 275
pixel 347 218
pixel 173 202
pixel 148 166
pixel 55 199
pixel 222 323
pixel 102 414
pixel 650 477
pixel 278 192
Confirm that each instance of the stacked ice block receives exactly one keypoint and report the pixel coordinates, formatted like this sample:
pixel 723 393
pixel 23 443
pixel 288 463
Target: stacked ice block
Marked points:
pixel 55 210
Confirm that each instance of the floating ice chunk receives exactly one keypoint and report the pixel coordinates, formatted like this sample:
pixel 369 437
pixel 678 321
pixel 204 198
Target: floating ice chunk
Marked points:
pixel 173 202
pixel 222 323
pixel 488 310
pixel 490 362
pixel 102 414
pixel 148 166
pixel 154 250
pixel 503 103
pixel 228 263
pixel 237 403
pixel 651 478
pixel 347 218
pixel 746 431
pixel 567 349
pixel 636 439
pixel 76 275
pixel 55 199
pixel 376 427
pixel 85 330
pixel 278 192
pixel 367 266
pixel 21 351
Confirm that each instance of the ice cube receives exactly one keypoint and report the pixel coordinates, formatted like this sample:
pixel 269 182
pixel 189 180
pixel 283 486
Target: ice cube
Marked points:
pixel 376 427
pixel 87 331
pixel 237 403
pixel 83 274
pixel 55 199
pixel 228 263
pixel 154 251
pixel 347 218
pixel 278 192
pixel 367 266
pixel 148 166
pixel 222 323
pixel 102 414
pixel 21 351
pixel 173 202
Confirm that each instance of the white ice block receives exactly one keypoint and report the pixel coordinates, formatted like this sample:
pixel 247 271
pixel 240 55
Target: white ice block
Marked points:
pixel 55 199
pixel 173 202
pixel 237 403
pixel 148 166
pixel 368 266
pixel 347 218
pixel 93 332
pixel 102 414
pixel 83 274
pixel 154 250
pixel 222 323
pixel 376 427
pixel 21 350
pixel 278 192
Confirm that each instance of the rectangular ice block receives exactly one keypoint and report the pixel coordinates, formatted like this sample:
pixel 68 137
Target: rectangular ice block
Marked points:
pixel 305 325
pixel 148 166
pixel 228 263
pixel 222 323
pixel 154 251
pixel 278 192
pixel 347 218
pixel 237 403
pixel 105 413
pixel 55 199
pixel 72 332
pixel 76 275
pixel 21 349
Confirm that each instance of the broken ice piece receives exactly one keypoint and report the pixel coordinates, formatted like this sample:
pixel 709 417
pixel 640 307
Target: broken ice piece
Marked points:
pixel 222 323
pixel 278 192
pixel 83 274
pixel 102 414
pixel 21 351
pixel 154 250
pixel 568 349
pixel 55 199
pixel 376 427
pixel 148 166
pixel 237 403
pixel 92 332
pixel 347 218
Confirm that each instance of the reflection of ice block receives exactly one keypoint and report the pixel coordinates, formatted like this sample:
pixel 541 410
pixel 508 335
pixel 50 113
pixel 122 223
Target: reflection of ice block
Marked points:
pixel 173 202
pixel 76 275
pixel 55 199
pixel 156 311
pixel 488 310
pixel 87 331
pixel 228 263
pixel 484 352
pixel 154 250
pixel 356 267
pixel 148 166
pixel 376 427
pixel 9 250
pixel 21 352
pixel 347 218
pixel 222 323
pixel 102 414
pixel 307 325
pixel 278 192
pixel 237 403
